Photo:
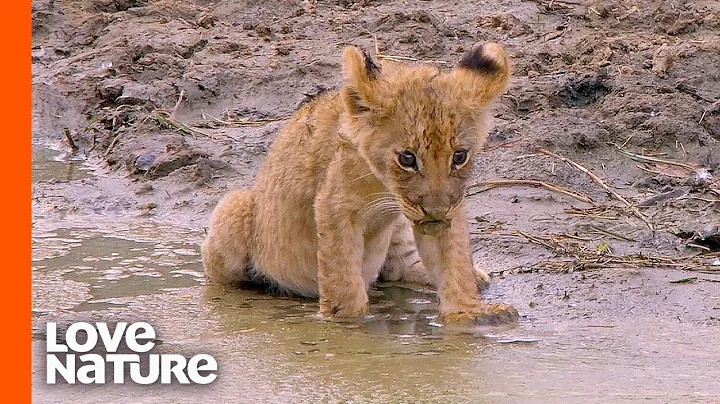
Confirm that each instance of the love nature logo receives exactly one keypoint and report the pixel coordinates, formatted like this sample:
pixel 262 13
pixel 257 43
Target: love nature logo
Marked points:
pixel 143 367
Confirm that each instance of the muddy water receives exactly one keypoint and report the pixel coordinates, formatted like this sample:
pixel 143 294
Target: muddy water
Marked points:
pixel 49 165
pixel 275 350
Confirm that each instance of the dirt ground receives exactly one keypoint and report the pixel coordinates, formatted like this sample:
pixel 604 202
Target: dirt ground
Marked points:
pixel 175 102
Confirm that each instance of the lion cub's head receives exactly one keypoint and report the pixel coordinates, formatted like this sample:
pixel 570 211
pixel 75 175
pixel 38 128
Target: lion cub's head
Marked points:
pixel 419 128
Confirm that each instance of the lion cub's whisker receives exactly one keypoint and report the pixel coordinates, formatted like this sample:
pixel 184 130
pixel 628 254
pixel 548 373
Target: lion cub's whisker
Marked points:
pixel 386 201
pixel 361 177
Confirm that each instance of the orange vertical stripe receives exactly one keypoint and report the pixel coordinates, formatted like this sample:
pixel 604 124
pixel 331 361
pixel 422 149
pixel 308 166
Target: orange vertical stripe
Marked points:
pixel 15 110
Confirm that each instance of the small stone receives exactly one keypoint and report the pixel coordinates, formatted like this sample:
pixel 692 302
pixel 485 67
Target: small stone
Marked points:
pixel 263 31
pixel 206 20
pixel 144 162
pixel 662 61
pixel 144 189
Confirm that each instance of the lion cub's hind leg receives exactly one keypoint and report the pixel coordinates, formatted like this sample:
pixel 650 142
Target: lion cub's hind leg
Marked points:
pixel 226 249
pixel 481 277
pixel 403 262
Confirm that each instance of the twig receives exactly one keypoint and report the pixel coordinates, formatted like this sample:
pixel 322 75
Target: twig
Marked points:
pixel 112 144
pixel 612 234
pixel 697 198
pixel 73 146
pixel 577 3
pixel 554 243
pixel 702 117
pixel 578 238
pixel 218 120
pixel 587 261
pixel 259 122
pixel 239 123
pixel 563 2
pixel 656 172
pixel 535 240
pixel 534 183
pixel 698 246
pixel 646 159
pixel 602 184
pixel 553 35
pixel 626 141
pixel 90 123
pixel 507 144
pixel 598 212
pixel 165 118
pixel 177 104
pixel 524 156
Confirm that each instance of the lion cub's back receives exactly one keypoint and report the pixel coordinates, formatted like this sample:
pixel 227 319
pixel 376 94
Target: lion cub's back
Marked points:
pixel 299 155
pixel 284 222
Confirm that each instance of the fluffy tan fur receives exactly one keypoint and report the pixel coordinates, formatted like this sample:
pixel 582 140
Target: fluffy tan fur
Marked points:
pixel 337 201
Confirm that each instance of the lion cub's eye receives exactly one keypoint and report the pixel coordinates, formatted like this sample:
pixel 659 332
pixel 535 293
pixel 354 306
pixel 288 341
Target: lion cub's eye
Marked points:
pixel 407 159
pixel 459 157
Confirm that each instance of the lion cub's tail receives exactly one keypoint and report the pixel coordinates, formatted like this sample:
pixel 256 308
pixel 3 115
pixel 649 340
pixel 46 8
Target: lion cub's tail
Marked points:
pixel 227 247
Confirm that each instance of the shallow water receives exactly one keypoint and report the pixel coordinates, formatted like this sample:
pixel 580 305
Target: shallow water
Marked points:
pixel 273 349
pixel 50 165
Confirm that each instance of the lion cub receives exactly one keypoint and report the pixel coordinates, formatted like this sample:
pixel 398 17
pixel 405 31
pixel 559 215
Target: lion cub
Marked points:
pixel 361 181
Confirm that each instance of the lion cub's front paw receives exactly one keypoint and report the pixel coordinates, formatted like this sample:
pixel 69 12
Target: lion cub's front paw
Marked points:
pixel 345 309
pixel 486 315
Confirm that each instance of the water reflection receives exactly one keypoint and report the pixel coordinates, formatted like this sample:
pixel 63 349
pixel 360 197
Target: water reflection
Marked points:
pixel 110 268
pixel 49 165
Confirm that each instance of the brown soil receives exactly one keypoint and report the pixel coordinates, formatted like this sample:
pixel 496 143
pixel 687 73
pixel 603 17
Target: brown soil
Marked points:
pixel 175 102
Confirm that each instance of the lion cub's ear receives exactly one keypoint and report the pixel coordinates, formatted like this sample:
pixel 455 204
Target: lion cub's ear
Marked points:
pixel 361 77
pixel 483 72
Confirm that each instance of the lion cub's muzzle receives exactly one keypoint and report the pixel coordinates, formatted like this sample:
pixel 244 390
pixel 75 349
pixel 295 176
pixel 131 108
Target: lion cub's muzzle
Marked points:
pixel 432 227
pixel 430 219
pixel 434 220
